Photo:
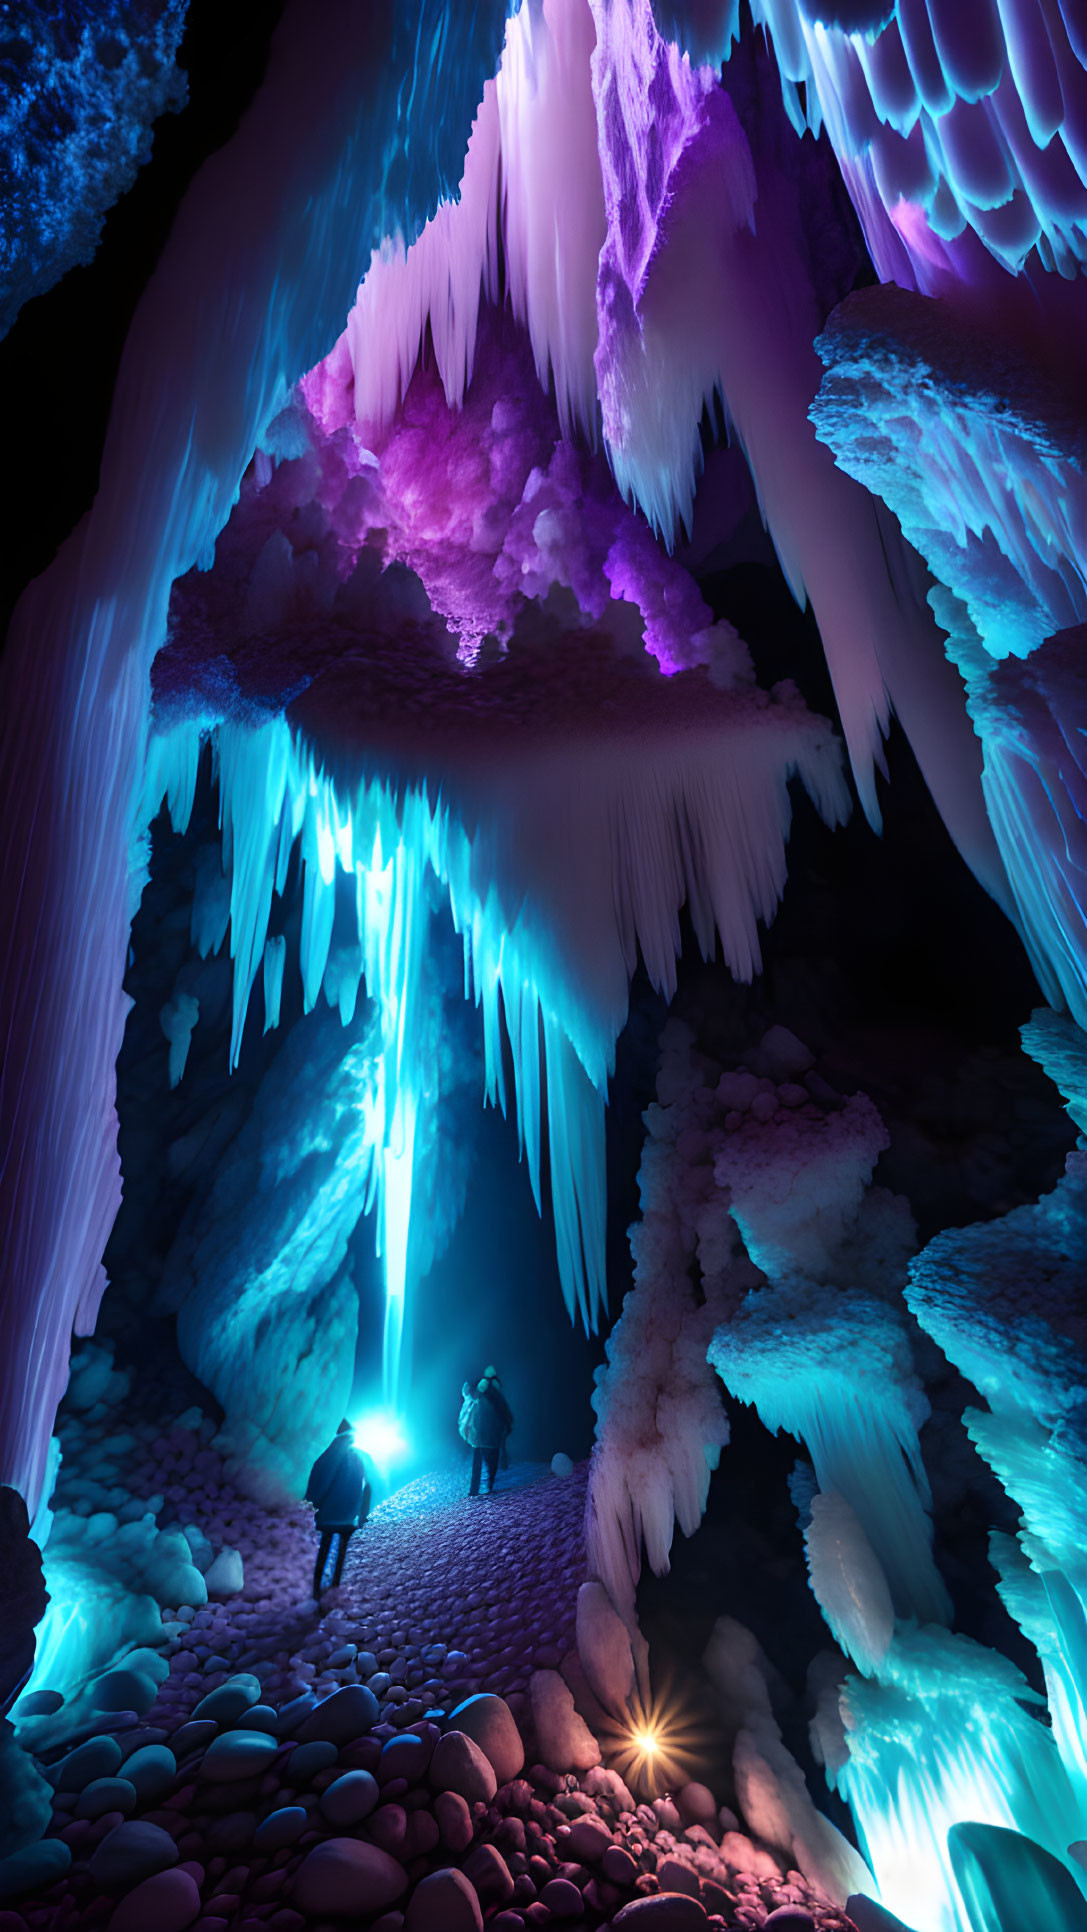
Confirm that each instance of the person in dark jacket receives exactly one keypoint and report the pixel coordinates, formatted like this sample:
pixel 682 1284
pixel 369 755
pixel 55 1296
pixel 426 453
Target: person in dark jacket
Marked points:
pixel 340 1494
pixel 485 1421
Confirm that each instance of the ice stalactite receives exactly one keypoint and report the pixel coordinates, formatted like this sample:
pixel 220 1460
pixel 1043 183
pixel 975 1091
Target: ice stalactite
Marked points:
pixel 660 1423
pixel 1004 1302
pixel 981 457
pixel 737 222
pixel 937 1738
pixel 258 271
pixel 822 1351
pixel 961 134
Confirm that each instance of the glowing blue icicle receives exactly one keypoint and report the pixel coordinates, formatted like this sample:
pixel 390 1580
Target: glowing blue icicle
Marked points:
pixel 940 1739
pixel 275 958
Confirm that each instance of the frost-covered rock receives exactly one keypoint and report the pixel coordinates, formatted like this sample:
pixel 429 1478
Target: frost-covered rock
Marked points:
pixel 848 1581
pixel 225 1575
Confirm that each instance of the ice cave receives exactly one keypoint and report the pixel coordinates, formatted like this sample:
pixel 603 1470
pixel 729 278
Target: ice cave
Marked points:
pixel 543 966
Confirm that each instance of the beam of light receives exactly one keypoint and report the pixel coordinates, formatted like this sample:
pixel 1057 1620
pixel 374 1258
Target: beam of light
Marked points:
pixel 380 1435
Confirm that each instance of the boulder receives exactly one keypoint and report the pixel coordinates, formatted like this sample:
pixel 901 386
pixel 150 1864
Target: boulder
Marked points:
pixel 564 1740
pixel 490 1723
pixel 106 1794
pixel 444 1902
pixel 459 1765
pixel 345 1877
pixel 406 1756
pixel 228 1701
pixel 561 1465
pixel 603 1645
pixel 589 1839
pixel 490 1875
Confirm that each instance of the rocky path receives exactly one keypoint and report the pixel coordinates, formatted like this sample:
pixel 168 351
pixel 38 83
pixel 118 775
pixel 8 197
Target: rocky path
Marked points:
pixel 290 1765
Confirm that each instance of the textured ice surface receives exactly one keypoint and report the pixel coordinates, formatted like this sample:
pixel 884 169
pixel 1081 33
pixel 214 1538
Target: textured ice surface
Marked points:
pixel 80 89
pixel 945 1730
pixel 254 282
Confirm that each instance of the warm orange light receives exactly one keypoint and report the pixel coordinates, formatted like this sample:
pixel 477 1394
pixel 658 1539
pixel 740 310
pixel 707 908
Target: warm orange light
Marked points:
pixel 647 1742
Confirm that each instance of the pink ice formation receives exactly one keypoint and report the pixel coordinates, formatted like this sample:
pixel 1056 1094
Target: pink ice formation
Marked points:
pixel 404 591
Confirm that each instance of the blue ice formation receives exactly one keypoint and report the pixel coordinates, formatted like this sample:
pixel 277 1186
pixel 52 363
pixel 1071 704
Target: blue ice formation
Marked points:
pixel 975 449
pixel 79 90
pixel 259 270
pixel 554 893
pixel 1010 1884
pixel 941 1738
pixel 835 1370
pixel 948 122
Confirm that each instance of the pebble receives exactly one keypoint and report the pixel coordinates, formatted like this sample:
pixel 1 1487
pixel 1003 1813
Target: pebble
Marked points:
pixel 454 1821
pixel 98 1758
pixel 307 1761
pixel 168 1902
pixel 664 1912
pixel 562 1899
pixel 459 1765
pixel 444 1901
pixel 280 1828
pixel 124 1690
pixel 344 1876
pixel 228 1701
pixel 238 1754
pixel 350 1798
pixel 405 1756
pixel 106 1794
pixel 131 1851
pixel 33 1868
pixel 347 1714
pixel 151 1771
pixel 790 1918
pixel 490 1723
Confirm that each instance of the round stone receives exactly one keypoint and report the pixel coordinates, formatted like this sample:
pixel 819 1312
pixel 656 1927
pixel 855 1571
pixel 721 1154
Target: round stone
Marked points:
pixel 347 1800
pixel 405 1756
pixel 444 1902
pixel 280 1828
pixel 344 1876
pixel 229 1701
pixel 33 1868
pixel 490 1723
pixel 151 1771
pixel 124 1690
pixel 131 1851
pixel 562 1899
pixel 106 1794
pixel 168 1902
pixel 306 1760
pixel 459 1765
pixel 589 1839
pixel 40 1703
pixel 98 1758
pixel 790 1918
pixel 454 1821
pixel 347 1714
pixel 238 1754
pixel 664 1912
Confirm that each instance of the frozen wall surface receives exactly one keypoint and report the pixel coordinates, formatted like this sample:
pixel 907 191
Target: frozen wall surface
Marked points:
pixel 249 292
pixel 80 90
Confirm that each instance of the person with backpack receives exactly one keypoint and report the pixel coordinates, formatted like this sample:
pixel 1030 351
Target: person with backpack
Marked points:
pixel 340 1493
pixel 486 1419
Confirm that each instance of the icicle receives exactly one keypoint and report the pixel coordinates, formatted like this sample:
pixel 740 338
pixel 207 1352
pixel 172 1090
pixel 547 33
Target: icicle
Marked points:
pixel 275 958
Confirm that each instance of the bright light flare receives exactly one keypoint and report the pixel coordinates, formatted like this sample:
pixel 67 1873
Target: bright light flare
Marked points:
pixel 659 1748
pixel 380 1436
